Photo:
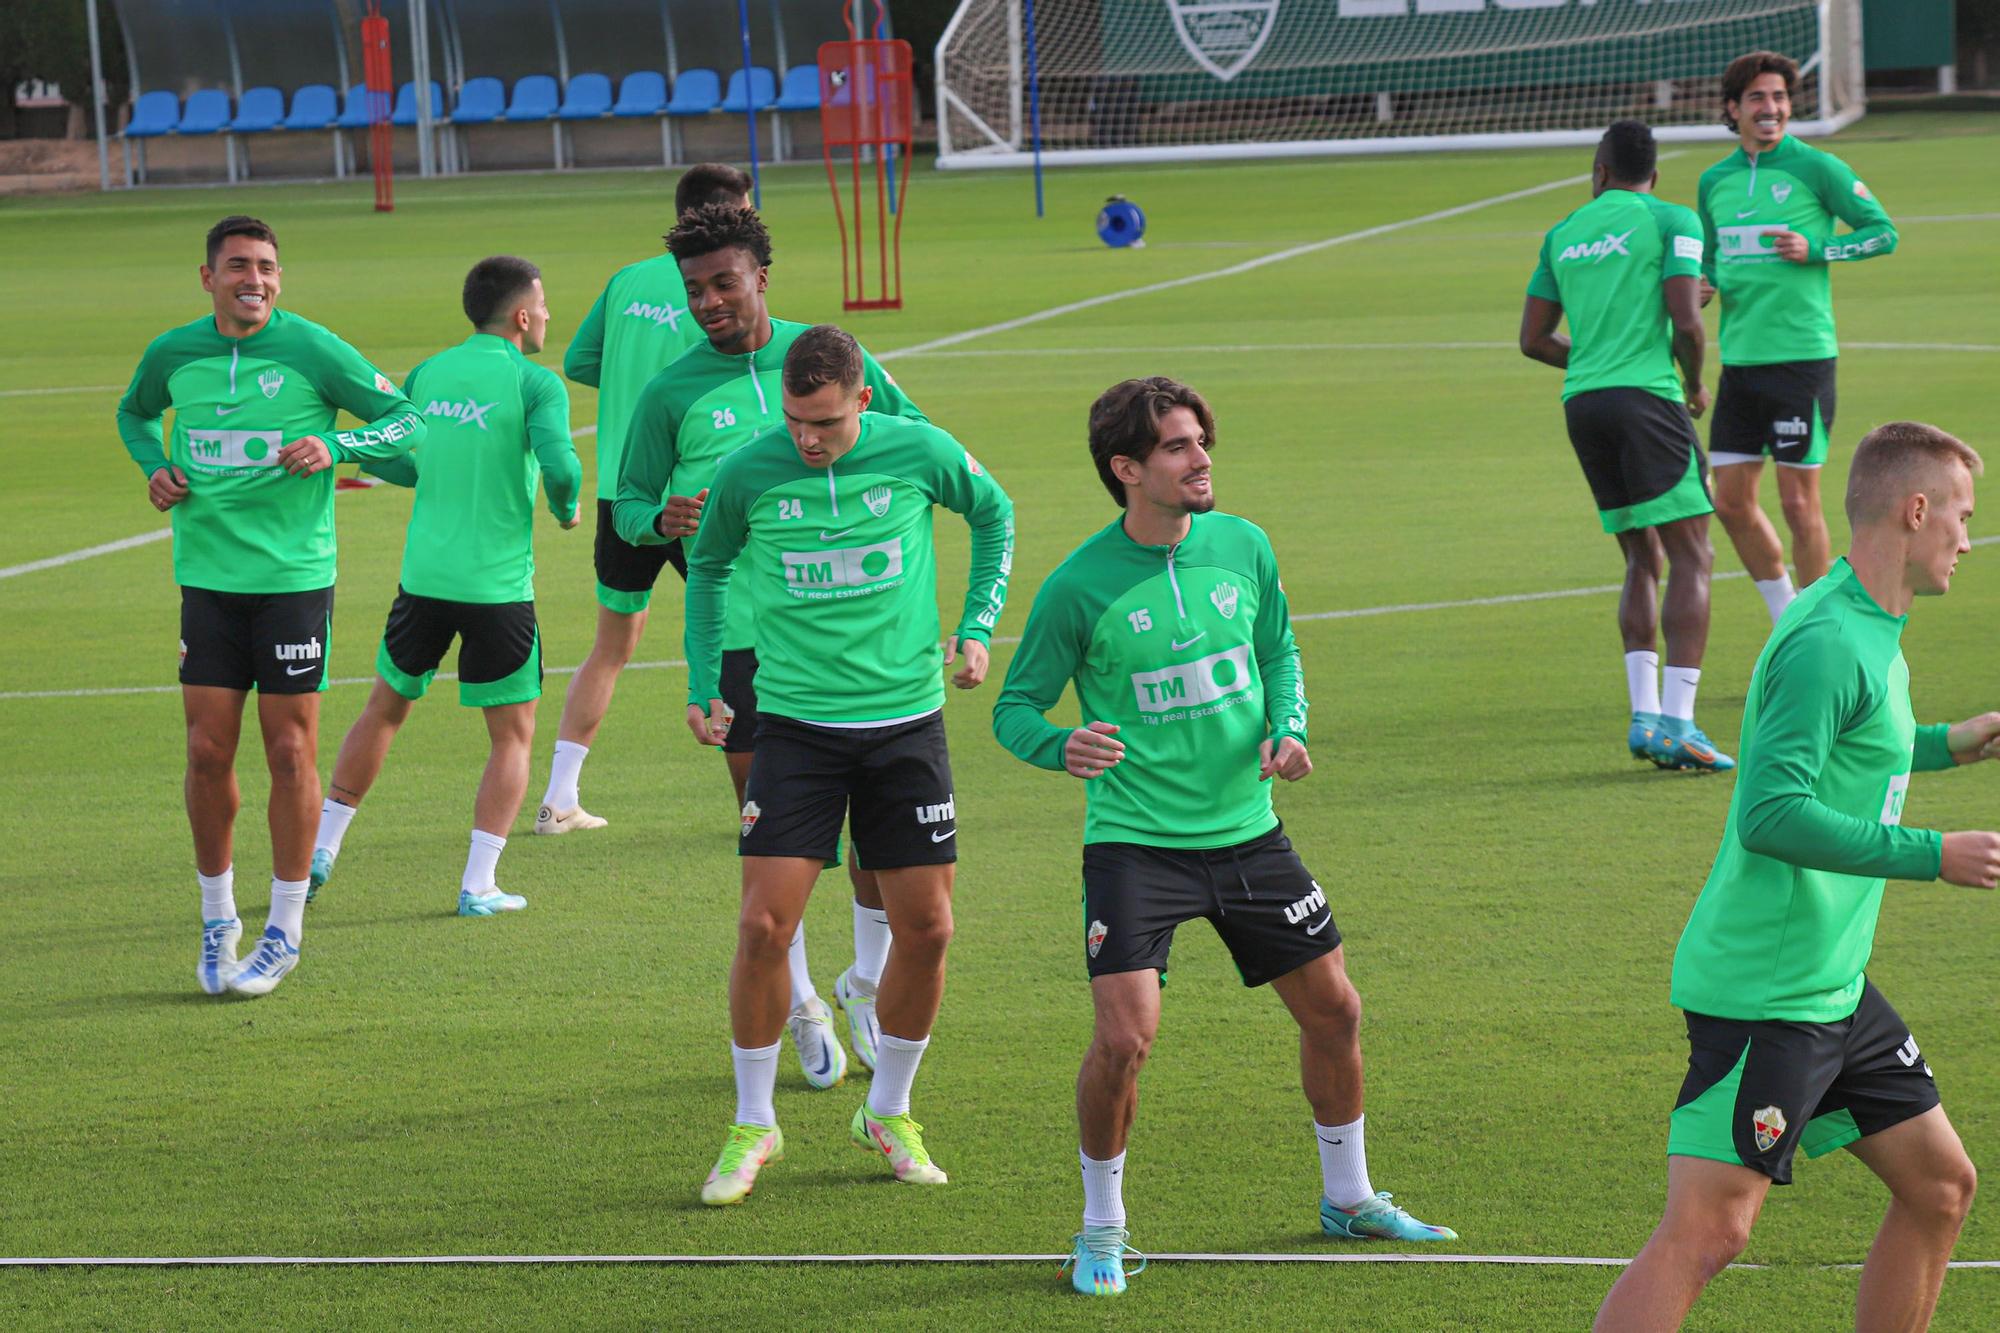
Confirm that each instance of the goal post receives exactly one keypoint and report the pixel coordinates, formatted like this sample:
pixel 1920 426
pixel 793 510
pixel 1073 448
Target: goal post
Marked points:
pixel 1127 81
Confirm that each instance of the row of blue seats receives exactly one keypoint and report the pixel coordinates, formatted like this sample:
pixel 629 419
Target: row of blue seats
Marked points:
pixel 483 101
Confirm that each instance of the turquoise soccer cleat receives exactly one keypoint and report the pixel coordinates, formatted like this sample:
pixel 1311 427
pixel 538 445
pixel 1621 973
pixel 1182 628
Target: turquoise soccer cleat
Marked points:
pixel 1377 1219
pixel 1096 1263
pixel 321 872
pixel 1639 739
pixel 489 903
pixel 1680 744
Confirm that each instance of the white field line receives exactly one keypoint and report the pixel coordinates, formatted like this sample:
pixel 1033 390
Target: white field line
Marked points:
pixel 264 1260
pixel 143 539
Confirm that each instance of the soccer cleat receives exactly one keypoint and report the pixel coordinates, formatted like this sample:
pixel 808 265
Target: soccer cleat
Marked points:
pixel 901 1140
pixel 863 1032
pixel 820 1053
pixel 1639 739
pixel 268 964
pixel 218 954
pixel 549 821
pixel 321 872
pixel 749 1149
pixel 1377 1219
pixel 1096 1263
pixel 488 903
pixel 1681 744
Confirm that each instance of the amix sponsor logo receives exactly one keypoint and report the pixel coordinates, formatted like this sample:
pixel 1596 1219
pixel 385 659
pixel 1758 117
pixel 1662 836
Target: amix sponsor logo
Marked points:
pixel 1598 251
pixel 659 314
pixel 467 413
pixel 1205 680
pixel 842 569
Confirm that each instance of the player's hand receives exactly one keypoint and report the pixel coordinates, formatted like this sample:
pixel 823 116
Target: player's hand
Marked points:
pixel 306 455
pixel 1287 760
pixel 1697 397
pixel 575 517
pixel 1971 859
pixel 710 727
pixel 166 488
pixel 1790 246
pixel 1707 290
pixel 682 515
pixel 1975 739
pixel 1091 750
pixel 973 674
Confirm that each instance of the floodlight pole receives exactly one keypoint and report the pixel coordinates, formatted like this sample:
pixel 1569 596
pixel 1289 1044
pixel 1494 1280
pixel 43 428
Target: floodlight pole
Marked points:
pixel 750 104
pixel 420 70
pixel 97 97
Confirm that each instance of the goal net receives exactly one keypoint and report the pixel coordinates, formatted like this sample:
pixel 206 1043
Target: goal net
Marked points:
pixel 1143 80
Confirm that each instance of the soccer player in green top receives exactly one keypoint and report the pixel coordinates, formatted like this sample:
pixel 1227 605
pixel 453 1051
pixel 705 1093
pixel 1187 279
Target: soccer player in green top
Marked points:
pixel 1791 1045
pixel 715 398
pixel 498 422
pixel 248 478
pixel 1768 211
pixel 638 325
pixel 827 522
pixel 1172 624
pixel 1625 269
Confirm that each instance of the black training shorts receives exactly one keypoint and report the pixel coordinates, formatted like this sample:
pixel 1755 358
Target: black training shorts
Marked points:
pixel 1266 906
pixel 277 641
pixel 499 650
pixel 739 695
pixel 626 573
pixel 1640 455
pixel 891 783
pixel 1784 411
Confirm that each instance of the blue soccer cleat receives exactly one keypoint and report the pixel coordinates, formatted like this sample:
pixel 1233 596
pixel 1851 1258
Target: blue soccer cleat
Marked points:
pixel 489 903
pixel 1377 1219
pixel 1096 1263
pixel 1680 744
pixel 1639 739
pixel 218 954
pixel 268 964
pixel 320 873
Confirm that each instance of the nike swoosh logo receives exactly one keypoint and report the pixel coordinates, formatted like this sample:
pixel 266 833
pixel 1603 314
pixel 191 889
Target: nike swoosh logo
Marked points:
pixel 1324 922
pixel 1751 214
pixel 301 670
pixel 1188 643
pixel 222 411
pixel 826 536
pixel 948 833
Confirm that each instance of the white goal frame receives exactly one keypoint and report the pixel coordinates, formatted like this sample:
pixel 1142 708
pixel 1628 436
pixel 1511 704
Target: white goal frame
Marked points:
pixel 970 140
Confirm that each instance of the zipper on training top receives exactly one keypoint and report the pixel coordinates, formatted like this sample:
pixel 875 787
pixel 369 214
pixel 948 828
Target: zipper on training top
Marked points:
pixel 1180 607
pixel 235 350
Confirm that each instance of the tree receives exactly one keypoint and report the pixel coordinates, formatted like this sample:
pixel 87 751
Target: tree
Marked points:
pixel 50 39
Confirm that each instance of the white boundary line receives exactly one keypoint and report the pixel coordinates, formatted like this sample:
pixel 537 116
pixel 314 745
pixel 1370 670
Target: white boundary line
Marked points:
pixel 335 1261
pixel 71 557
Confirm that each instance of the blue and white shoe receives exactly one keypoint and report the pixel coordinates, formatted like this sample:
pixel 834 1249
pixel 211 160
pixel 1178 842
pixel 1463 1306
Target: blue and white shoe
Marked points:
pixel 1639 739
pixel 821 1055
pixel 218 954
pixel 1377 1219
pixel 863 1029
pixel 321 872
pixel 1679 743
pixel 488 903
pixel 1096 1262
pixel 267 965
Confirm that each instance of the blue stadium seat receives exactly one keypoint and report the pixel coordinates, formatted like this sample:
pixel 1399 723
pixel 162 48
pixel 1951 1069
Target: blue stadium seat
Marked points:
pixel 587 97
pixel 154 114
pixel 696 93
pixel 405 111
pixel 801 90
pixel 763 91
pixel 354 111
pixel 535 98
pixel 314 107
pixel 261 110
pixel 480 102
pixel 207 112
pixel 641 94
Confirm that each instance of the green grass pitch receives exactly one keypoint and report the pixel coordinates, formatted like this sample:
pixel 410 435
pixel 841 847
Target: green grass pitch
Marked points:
pixel 1509 883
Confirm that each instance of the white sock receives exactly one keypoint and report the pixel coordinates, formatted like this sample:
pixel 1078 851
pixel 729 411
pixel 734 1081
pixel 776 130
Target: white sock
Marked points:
pixel 563 776
pixel 218 895
pixel 481 859
pixel 288 907
pixel 1642 681
pixel 1777 594
pixel 871 946
pixel 1343 1164
pixel 756 1080
pixel 1678 695
pixel 1103 1190
pixel 334 817
pixel 802 982
pixel 896 1061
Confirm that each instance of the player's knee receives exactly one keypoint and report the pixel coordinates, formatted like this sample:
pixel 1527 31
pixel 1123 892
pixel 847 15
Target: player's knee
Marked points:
pixel 1717 1246
pixel 762 937
pixel 927 937
pixel 1802 512
pixel 1339 1014
pixel 289 757
pixel 1123 1049
pixel 1732 508
pixel 209 756
pixel 1946 1195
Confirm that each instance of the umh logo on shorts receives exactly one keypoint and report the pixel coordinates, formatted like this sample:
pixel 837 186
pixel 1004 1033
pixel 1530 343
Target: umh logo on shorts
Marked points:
pixel 1768 1125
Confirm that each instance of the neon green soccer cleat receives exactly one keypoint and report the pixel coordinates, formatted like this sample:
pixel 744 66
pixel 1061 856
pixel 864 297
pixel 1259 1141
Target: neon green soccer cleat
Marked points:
pixel 901 1140
pixel 749 1149
pixel 1096 1263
